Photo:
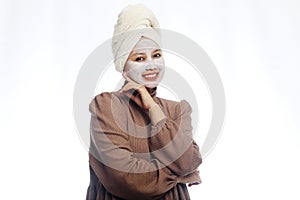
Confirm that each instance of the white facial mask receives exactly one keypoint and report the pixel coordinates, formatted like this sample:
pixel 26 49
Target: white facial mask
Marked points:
pixel 145 72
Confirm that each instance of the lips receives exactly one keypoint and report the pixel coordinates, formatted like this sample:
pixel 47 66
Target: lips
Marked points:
pixel 150 76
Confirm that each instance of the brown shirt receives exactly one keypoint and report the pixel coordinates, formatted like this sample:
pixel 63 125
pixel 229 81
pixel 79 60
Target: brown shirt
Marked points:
pixel 130 158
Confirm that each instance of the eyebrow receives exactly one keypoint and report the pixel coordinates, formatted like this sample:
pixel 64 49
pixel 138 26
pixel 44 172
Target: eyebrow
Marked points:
pixel 139 53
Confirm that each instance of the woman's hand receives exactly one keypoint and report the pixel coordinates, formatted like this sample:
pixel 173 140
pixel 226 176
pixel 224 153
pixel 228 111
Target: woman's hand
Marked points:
pixel 143 98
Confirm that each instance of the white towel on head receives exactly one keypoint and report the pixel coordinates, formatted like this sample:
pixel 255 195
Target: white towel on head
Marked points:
pixel 134 21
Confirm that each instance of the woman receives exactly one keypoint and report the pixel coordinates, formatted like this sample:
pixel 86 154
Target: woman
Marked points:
pixel 141 145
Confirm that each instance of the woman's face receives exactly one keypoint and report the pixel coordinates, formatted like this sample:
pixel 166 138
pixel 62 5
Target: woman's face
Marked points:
pixel 145 64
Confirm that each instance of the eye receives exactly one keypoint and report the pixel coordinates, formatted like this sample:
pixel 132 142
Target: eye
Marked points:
pixel 139 59
pixel 157 55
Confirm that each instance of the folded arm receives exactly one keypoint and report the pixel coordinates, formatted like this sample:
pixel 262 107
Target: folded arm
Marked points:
pixel 172 141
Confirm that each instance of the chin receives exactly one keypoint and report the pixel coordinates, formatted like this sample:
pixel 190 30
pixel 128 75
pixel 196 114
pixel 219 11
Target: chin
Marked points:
pixel 151 85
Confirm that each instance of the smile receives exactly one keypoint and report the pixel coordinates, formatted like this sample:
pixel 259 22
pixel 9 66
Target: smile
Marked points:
pixel 150 77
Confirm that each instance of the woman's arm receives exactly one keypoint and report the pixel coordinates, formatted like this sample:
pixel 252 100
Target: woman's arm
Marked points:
pixel 178 150
pixel 172 143
pixel 119 170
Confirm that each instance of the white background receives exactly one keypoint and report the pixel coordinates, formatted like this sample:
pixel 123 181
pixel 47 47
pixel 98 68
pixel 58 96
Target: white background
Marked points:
pixel 254 44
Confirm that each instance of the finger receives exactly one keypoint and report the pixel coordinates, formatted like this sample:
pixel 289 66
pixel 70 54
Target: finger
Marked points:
pixel 137 99
pixel 126 77
pixel 129 80
pixel 128 87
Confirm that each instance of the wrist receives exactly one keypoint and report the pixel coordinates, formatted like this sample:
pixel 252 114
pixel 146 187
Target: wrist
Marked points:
pixel 156 114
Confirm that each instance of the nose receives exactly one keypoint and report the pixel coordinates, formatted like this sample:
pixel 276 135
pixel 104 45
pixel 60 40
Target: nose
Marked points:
pixel 150 66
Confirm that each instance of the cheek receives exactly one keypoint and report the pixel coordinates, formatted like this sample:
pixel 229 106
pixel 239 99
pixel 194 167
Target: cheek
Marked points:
pixel 132 66
pixel 160 63
pixel 135 71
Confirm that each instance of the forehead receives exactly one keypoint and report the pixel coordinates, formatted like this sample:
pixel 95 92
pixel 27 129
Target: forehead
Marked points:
pixel 145 44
